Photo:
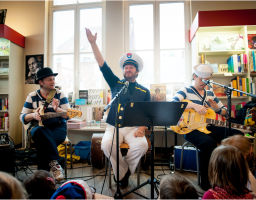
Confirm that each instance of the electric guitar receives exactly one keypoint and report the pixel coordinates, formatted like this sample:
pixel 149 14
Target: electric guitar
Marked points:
pixel 192 120
pixel 69 113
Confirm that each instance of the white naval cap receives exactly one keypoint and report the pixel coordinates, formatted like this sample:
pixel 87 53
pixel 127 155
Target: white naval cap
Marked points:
pixel 203 70
pixel 132 59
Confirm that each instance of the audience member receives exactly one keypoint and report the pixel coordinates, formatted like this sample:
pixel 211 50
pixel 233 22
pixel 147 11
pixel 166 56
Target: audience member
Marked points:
pixel 40 185
pixel 10 187
pixel 75 189
pixel 177 187
pixel 228 174
pixel 244 145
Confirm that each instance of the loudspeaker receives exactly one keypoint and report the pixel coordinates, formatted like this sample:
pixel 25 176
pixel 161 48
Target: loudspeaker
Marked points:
pixel 7 155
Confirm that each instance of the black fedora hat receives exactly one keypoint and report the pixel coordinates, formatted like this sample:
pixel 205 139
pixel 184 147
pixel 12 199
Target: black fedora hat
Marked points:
pixel 43 73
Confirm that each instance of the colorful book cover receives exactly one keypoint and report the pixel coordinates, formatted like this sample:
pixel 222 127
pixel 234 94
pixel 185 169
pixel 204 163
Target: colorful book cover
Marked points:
pixel 251 41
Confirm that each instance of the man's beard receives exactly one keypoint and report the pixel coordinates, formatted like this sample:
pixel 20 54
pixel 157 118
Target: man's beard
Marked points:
pixel 131 78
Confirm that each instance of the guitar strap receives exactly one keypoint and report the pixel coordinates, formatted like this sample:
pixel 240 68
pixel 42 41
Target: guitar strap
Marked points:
pixel 49 98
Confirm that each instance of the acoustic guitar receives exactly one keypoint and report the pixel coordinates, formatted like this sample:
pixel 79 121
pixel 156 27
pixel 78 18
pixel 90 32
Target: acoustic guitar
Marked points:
pixel 192 120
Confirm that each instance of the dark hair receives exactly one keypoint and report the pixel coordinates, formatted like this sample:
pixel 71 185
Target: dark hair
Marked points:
pixel 40 185
pixel 229 170
pixel 177 187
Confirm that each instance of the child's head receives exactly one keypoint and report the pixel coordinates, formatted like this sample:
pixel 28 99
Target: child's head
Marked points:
pixel 240 142
pixel 228 169
pixel 10 187
pixel 176 187
pixel 74 189
pixel 40 185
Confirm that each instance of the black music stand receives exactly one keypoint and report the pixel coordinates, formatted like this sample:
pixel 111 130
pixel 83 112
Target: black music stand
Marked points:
pixel 150 114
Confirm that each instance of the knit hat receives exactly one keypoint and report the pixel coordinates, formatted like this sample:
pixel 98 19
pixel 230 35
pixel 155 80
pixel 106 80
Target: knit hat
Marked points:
pixel 132 59
pixel 203 70
pixel 43 73
pixel 74 189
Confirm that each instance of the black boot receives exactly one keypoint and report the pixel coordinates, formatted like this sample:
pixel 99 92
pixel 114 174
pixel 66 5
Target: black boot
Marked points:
pixel 124 182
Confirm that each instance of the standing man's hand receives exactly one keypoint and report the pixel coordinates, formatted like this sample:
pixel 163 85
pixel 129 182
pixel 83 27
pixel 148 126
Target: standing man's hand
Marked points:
pixel 140 132
pixel 91 38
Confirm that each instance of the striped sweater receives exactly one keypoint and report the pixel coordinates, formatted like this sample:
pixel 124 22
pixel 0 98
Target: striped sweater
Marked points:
pixel 34 100
pixel 191 94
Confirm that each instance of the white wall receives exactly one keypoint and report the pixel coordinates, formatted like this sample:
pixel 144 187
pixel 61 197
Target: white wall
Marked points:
pixel 27 18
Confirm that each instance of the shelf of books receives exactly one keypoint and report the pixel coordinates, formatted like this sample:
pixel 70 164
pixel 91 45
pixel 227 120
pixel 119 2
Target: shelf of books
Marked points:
pixel 226 39
pixel 12 75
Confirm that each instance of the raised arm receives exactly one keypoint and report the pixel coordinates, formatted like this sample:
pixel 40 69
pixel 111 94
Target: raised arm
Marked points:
pixel 97 54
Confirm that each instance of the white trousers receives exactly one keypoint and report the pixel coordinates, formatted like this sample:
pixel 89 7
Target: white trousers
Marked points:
pixel 138 146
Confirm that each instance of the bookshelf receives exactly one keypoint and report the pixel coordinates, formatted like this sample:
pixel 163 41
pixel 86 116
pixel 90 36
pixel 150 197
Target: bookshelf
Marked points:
pixel 11 81
pixel 219 36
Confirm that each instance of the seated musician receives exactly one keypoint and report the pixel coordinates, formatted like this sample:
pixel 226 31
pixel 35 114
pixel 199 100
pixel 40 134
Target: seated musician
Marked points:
pixel 54 130
pixel 131 65
pixel 201 99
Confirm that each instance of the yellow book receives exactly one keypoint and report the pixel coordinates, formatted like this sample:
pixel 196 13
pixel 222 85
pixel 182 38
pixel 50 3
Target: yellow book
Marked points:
pixel 234 85
pixel 238 85
pixel 244 86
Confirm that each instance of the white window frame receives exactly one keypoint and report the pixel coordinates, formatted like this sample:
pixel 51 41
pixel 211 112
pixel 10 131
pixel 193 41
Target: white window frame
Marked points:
pixel 156 36
pixel 76 7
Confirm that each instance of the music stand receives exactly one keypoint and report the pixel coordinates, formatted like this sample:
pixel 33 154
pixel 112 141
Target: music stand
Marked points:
pixel 151 114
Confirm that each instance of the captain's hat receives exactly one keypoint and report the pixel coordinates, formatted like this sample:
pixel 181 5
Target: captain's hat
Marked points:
pixel 203 70
pixel 131 59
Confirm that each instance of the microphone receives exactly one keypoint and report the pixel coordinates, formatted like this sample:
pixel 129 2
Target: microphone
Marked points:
pixel 207 82
pixel 123 90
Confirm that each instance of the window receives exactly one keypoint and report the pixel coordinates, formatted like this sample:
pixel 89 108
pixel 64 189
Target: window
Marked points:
pixel 71 52
pixel 161 44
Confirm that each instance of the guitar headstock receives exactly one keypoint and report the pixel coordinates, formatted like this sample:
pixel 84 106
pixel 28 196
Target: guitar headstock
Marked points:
pixel 73 113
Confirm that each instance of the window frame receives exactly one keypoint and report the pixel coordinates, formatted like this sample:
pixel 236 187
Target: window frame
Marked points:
pixel 156 37
pixel 76 8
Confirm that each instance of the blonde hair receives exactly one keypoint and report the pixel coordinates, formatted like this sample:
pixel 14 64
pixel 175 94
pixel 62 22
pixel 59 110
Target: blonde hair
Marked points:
pixel 240 142
pixel 11 188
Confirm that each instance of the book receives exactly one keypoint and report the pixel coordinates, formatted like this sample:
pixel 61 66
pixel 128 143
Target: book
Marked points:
pixel 96 96
pixel 98 113
pixel 83 94
pixel 251 41
pixel 219 91
pixel 158 92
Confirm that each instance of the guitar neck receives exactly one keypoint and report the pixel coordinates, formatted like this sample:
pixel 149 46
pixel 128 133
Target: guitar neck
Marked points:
pixel 233 125
pixel 52 115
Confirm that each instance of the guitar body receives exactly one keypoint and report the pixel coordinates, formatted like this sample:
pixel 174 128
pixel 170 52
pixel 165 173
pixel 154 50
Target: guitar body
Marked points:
pixel 191 120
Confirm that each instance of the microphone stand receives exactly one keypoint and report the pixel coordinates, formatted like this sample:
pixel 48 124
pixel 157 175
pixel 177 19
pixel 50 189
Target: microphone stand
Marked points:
pixel 118 194
pixel 229 91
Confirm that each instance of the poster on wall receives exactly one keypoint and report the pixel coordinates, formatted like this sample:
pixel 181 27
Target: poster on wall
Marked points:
pixel 33 64
pixel 158 92
pixel 252 41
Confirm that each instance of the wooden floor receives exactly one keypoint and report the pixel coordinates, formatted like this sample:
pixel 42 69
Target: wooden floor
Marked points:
pixel 95 178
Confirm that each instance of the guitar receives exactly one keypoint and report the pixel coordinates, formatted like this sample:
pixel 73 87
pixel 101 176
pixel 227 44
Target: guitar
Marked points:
pixel 192 120
pixel 69 113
